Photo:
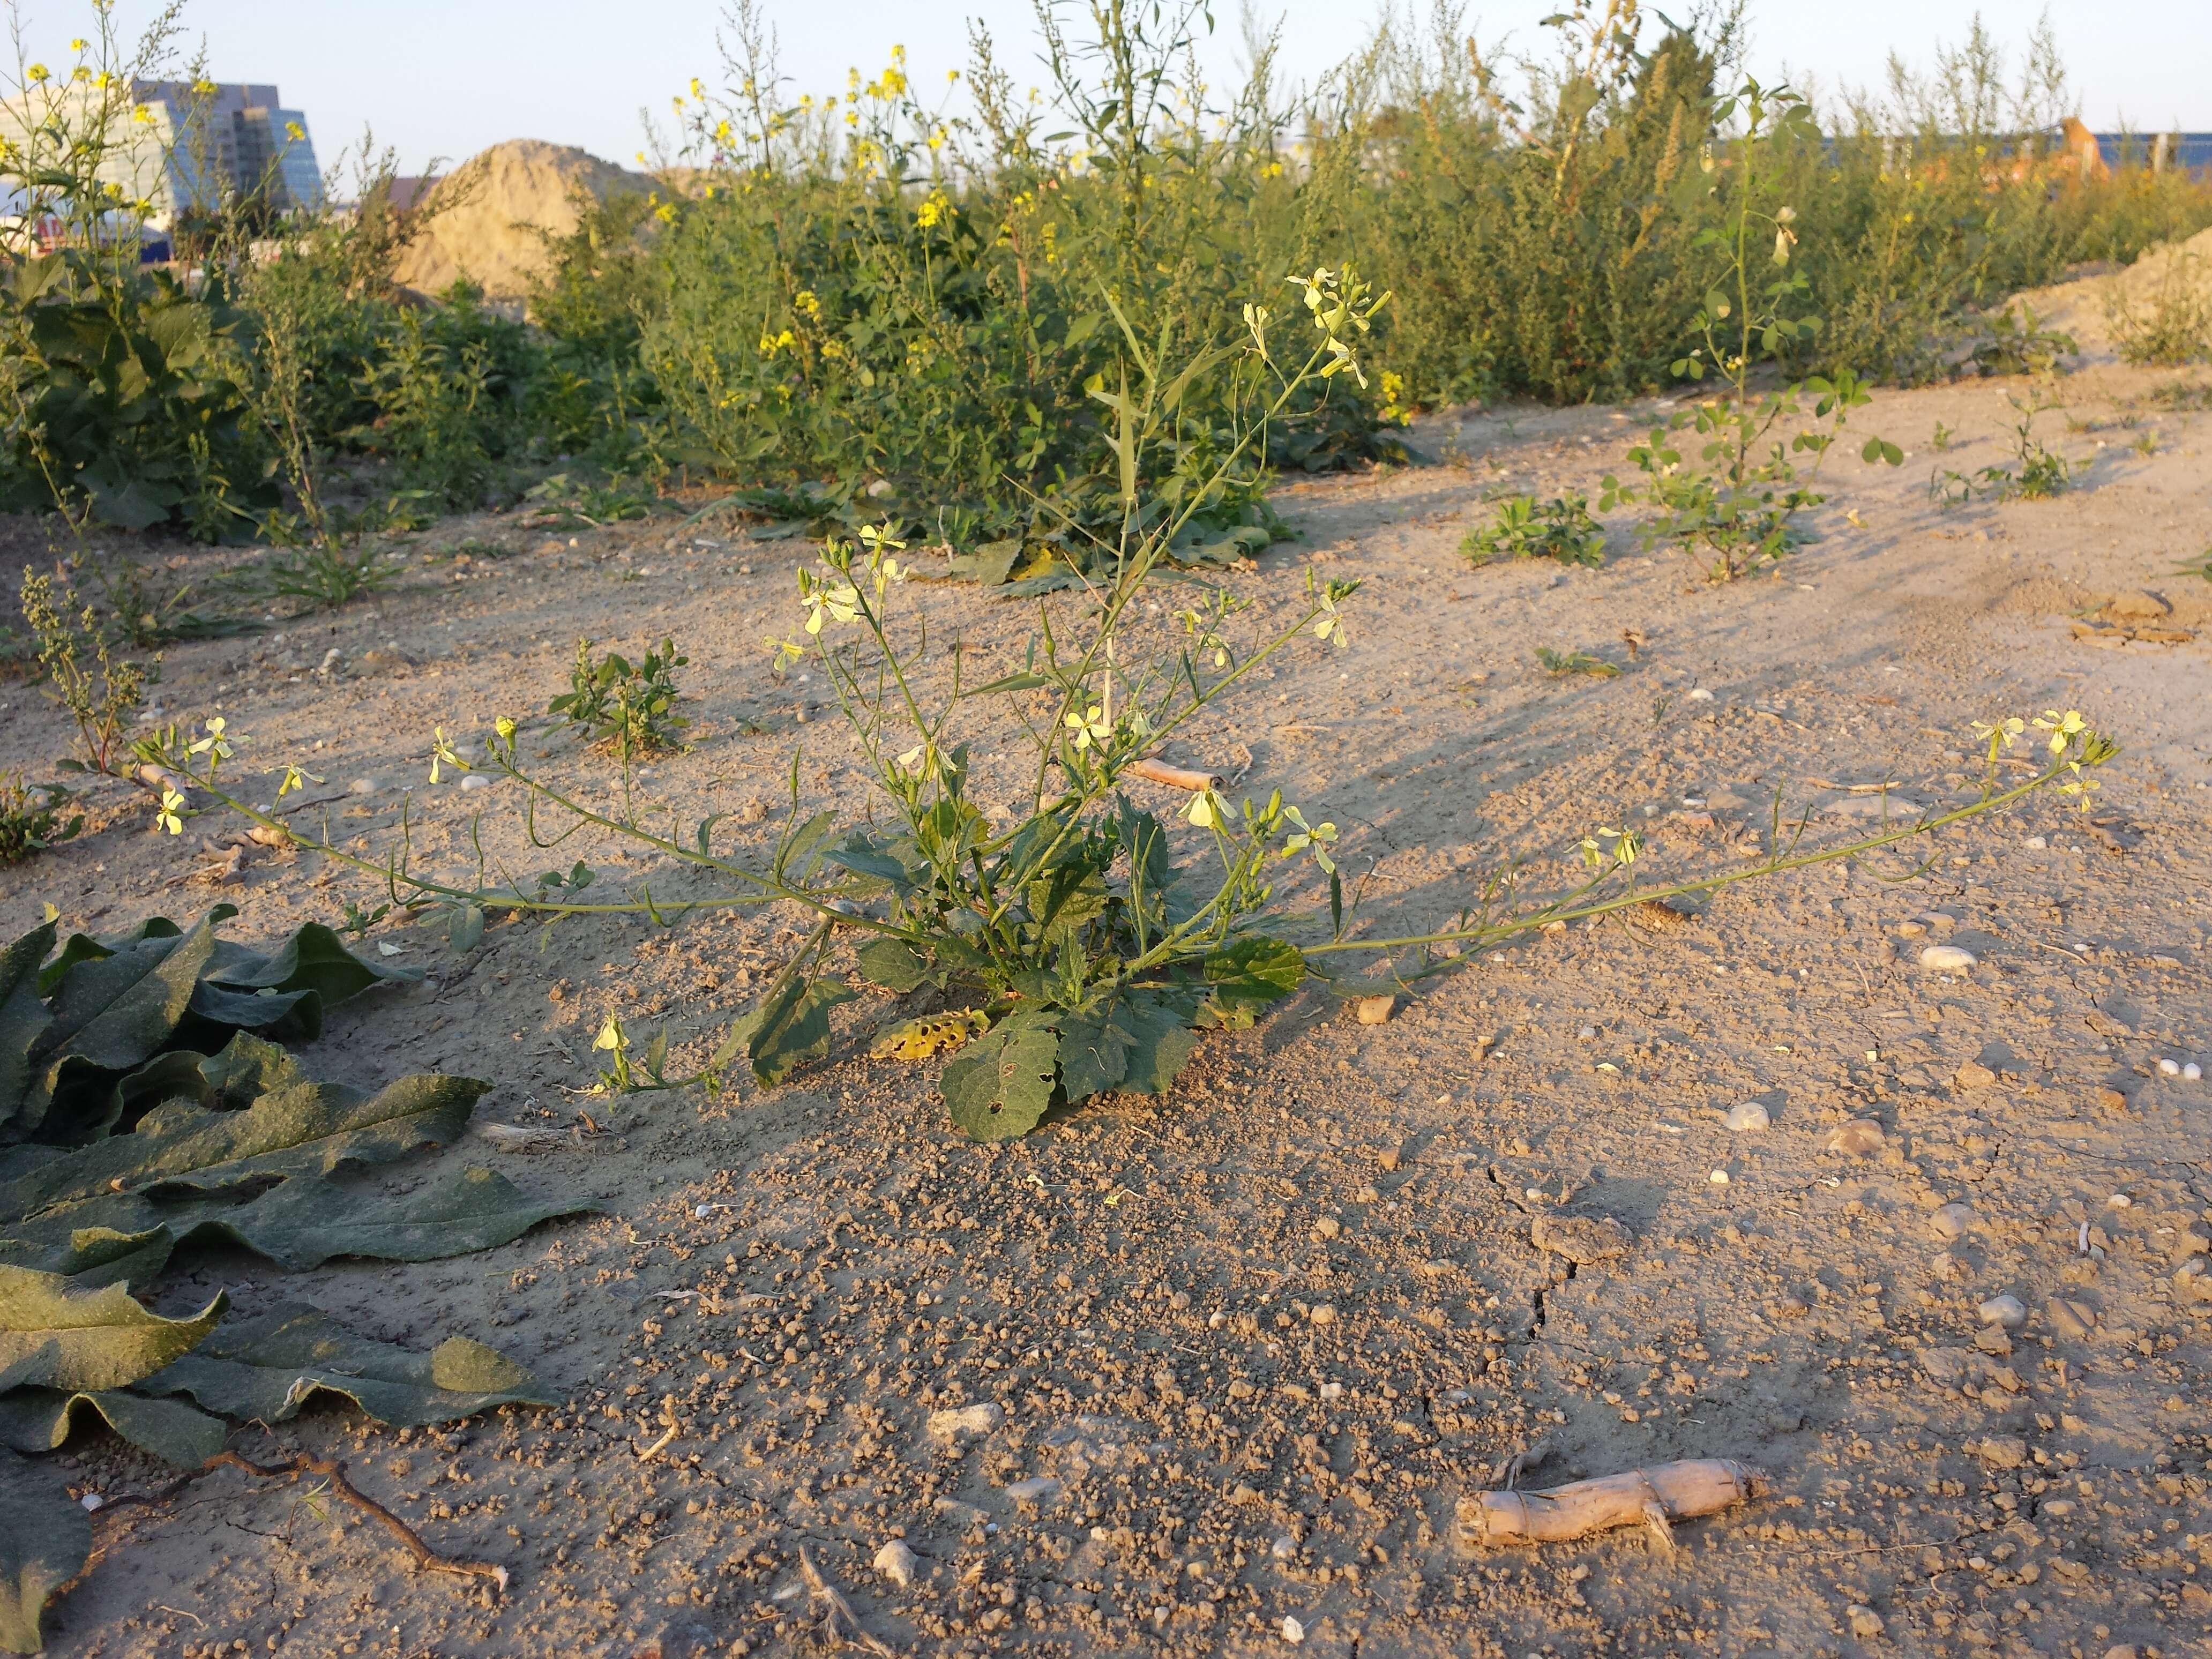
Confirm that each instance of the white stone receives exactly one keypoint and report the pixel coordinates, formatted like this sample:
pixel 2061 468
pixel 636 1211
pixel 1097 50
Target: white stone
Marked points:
pixel 2193 1072
pixel 1751 1115
pixel 1284 1547
pixel 897 1563
pixel 1947 959
pixel 956 1420
pixel 475 780
pixel 2169 1068
pixel 361 787
pixel 1293 1631
pixel 2008 1311
pixel 1718 1177
pixel 1035 1490
pixel 1698 694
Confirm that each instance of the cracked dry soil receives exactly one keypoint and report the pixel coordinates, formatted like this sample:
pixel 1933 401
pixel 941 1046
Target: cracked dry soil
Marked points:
pixel 1248 1346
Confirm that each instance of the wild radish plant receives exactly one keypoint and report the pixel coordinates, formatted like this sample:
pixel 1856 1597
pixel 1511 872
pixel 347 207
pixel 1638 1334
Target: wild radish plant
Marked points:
pixel 99 690
pixel 1081 946
pixel 1734 499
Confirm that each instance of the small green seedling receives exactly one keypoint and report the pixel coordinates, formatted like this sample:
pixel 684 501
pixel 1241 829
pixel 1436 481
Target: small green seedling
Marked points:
pixel 1525 528
pixel 1562 663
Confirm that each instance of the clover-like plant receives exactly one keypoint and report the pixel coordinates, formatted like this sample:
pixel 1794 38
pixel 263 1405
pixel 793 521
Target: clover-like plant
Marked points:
pixel 1525 528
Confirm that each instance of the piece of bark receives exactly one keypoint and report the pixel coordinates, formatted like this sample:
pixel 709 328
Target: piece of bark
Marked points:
pixel 1176 777
pixel 1649 1498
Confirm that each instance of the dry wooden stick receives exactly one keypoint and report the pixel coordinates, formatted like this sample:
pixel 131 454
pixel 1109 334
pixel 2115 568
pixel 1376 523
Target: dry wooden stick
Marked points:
pixel 1176 777
pixel 1650 1498
pixel 844 1625
pixel 335 1472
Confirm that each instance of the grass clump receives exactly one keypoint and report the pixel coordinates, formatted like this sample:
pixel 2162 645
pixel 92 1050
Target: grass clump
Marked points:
pixel 1524 528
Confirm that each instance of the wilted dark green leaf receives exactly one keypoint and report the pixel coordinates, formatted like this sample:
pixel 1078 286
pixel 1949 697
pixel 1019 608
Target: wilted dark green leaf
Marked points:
pixel 39 1420
pixel 266 1370
pixel 305 1221
pixel 301 1128
pixel 53 1334
pixel 790 1027
pixel 1001 1085
pixel 23 1016
pixel 313 959
pixel 88 1252
pixel 45 1538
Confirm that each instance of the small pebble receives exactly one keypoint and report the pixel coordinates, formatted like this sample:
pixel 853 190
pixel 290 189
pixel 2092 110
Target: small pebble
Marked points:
pixel 1035 1490
pixel 1718 1177
pixel 896 1563
pixel 1973 1075
pixel 1293 1631
pixel 2008 1311
pixel 2193 1072
pixel 1375 1010
pixel 1323 1314
pixel 2169 1068
pixel 1866 1623
pixel 1947 959
pixel 2119 1202
pixel 475 780
pixel 93 1500
pixel 1698 694
pixel 361 787
pixel 1953 1220
pixel 1284 1547
pixel 1751 1115
pixel 2036 842
pixel 1911 929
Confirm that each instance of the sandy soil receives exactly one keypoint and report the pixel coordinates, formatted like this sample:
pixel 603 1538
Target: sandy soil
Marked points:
pixel 795 1281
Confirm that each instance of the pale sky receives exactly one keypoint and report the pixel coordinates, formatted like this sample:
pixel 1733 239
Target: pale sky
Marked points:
pixel 447 77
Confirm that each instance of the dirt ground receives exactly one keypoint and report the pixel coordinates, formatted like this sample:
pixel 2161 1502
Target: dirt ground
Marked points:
pixel 1241 1352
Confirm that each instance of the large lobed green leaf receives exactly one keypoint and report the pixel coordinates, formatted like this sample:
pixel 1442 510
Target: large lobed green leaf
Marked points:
pixel 265 1370
pixel 40 1419
pixel 54 1335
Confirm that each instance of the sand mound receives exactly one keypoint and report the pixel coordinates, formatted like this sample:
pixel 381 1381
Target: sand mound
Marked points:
pixel 494 204
pixel 2081 308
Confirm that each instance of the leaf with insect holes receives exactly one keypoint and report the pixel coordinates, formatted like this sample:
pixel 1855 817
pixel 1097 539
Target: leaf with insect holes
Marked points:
pixel 45 1538
pixel 1001 1085
pixel 265 1370
pixel 927 1035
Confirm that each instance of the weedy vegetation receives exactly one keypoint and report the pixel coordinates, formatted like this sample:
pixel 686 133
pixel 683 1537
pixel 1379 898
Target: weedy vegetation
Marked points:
pixel 2035 473
pixel 1524 528
pixel 30 818
pixel 1561 664
pixel 2170 326
pixel 629 708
